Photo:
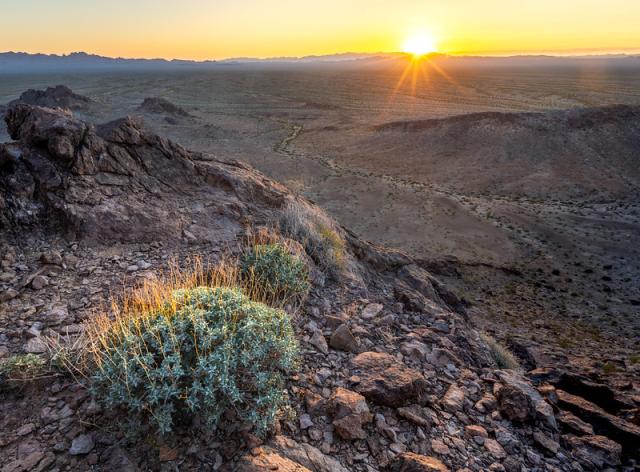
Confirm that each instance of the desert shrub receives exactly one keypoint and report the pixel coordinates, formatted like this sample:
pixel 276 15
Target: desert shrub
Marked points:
pixel 317 234
pixel 199 353
pixel 503 357
pixel 21 367
pixel 275 271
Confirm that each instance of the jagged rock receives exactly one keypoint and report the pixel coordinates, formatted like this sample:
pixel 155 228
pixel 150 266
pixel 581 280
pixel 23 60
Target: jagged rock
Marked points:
pixel 386 381
pixel 415 350
pixel 54 181
pixel 519 401
pixel 414 414
pixel 349 411
pixel 595 392
pixel 441 357
pixel 81 445
pixel 116 458
pixel 594 452
pixel 410 462
pixel 546 443
pixel 419 280
pixel 486 404
pixel 343 340
pixel 306 455
pixel 319 342
pixel 266 460
pixel 494 448
pixel 476 432
pixel 58 96
pixel 571 423
pixel 454 399
pixel 371 311
pixel 603 423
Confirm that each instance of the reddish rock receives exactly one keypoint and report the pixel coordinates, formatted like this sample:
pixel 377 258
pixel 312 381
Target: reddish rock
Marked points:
pixel 454 399
pixel 267 460
pixel 350 412
pixel 603 423
pixel 386 381
pixel 571 423
pixel 494 448
pixel 410 462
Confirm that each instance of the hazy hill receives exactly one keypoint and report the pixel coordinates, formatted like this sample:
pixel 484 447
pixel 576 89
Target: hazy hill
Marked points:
pixel 25 62
pixel 589 152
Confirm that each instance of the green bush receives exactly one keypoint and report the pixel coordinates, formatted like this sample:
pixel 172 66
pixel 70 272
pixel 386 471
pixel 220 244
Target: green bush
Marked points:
pixel 21 367
pixel 205 352
pixel 274 271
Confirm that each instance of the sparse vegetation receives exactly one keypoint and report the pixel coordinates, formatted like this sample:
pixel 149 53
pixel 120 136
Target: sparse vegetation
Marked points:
pixel 503 357
pixel 21 367
pixel 610 368
pixel 177 349
pixel 318 235
pixel 275 270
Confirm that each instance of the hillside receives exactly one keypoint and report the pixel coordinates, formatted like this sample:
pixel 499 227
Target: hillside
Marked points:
pixel 586 153
pixel 394 374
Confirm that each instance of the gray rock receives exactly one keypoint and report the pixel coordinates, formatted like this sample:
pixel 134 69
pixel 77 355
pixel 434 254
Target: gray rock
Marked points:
pixel 81 445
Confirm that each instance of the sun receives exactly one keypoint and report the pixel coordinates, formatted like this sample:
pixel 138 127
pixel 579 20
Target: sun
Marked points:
pixel 419 45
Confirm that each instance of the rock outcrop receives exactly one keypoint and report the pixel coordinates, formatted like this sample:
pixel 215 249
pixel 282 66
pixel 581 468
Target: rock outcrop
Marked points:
pixel 162 106
pixel 59 96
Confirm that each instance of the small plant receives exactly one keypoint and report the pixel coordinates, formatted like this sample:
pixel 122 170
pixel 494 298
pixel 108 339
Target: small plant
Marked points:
pixel 201 352
pixel 503 357
pixel 275 271
pixel 318 235
pixel 21 367
pixel 610 368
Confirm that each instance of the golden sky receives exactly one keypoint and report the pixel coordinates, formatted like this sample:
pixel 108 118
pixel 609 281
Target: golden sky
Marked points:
pixel 214 29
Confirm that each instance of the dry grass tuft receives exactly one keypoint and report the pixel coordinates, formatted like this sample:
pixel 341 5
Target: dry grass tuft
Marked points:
pixel 503 357
pixel 318 234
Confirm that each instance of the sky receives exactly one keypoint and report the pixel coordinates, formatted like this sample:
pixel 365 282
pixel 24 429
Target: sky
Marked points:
pixel 216 29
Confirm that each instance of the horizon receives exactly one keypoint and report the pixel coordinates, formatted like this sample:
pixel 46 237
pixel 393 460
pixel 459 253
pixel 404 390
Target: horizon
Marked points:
pixel 202 31
pixel 587 53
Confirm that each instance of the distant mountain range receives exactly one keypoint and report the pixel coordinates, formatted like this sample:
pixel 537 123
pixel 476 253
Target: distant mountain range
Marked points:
pixel 21 61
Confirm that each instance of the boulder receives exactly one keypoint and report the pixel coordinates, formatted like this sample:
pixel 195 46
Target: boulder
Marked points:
pixel 384 380
pixel 594 452
pixel 453 400
pixel 343 340
pixel 349 411
pixel 519 401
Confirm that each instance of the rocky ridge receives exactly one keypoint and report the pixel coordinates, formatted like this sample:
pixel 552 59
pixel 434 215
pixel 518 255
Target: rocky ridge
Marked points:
pixel 394 376
pixel 59 96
